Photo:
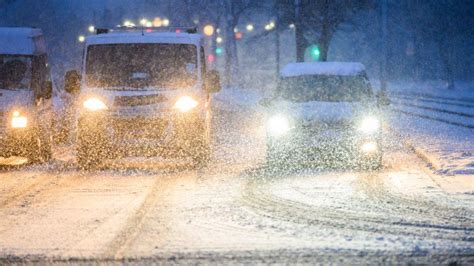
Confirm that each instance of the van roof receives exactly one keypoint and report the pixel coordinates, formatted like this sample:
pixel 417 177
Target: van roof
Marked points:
pixel 322 68
pixel 146 37
pixel 21 41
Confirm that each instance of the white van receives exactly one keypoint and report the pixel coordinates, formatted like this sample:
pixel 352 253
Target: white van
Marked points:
pixel 26 92
pixel 145 93
pixel 326 112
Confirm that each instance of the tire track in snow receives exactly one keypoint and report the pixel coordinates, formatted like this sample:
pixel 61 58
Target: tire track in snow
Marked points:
pixel 134 224
pixel 433 101
pixel 262 201
pixel 45 183
pixel 19 193
pixel 433 118
pixel 48 186
pixel 434 109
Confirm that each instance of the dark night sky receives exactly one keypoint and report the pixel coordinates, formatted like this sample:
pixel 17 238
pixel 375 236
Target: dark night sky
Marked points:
pixel 412 44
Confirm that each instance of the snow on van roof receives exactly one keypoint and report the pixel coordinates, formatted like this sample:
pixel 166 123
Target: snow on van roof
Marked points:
pixel 322 68
pixel 147 37
pixel 21 41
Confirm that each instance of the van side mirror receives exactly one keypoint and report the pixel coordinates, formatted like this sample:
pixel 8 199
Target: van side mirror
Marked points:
pixel 265 102
pixel 72 81
pixel 213 82
pixel 382 99
pixel 48 89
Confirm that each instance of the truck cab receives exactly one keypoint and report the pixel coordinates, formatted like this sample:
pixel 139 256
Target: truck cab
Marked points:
pixel 144 93
pixel 26 92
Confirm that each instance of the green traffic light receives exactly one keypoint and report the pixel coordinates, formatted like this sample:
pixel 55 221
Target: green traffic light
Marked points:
pixel 315 52
pixel 219 50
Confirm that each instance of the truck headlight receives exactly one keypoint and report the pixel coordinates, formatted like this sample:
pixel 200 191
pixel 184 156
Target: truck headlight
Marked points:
pixel 278 125
pixel 18 120
pixel 369 125
pixel 185 104
pixel 94 104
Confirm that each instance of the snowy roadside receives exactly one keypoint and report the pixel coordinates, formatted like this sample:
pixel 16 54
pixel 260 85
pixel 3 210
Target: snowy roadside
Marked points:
pixel 235 99
pixel 244 114
pixel 439 126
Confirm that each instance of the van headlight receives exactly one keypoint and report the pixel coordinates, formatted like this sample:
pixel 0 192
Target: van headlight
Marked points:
pixel 185 104
pixel 278 125
pixel 369 125
pixel 19 120
pixel 94 104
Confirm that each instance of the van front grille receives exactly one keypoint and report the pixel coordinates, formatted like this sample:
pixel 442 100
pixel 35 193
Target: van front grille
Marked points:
pixel 139 100
pixel 150 128
pixel 2 122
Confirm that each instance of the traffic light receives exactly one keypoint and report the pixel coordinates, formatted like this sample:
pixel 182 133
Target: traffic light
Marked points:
pixel 211 58
pixel 219 51
pixel 238 35
pixel 315 52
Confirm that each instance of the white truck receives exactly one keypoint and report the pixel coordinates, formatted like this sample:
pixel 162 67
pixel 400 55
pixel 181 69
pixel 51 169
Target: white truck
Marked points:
pixel 143 93
pixel 26 95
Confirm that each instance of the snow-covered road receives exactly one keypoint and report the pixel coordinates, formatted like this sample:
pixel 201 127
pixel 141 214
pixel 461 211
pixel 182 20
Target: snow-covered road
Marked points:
pixel 237 210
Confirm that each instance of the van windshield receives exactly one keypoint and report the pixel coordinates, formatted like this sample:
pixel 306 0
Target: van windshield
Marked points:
pixel 15 72
pixel 327 88
pixel 141 66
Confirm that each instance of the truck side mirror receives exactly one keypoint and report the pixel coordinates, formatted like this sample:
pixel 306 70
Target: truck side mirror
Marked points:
pixel 72 81
pixel 48 89
pixel 213 83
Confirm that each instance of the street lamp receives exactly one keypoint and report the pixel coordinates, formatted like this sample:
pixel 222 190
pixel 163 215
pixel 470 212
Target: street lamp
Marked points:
pixel 128 23
pixel 219 39
pixel 157 22
pixel 208 30
pixel 81 38
pixel 249 27
pixel 166 22
pixel 91 28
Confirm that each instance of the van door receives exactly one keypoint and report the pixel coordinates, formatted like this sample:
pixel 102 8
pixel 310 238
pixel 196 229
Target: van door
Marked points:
pixel 43 88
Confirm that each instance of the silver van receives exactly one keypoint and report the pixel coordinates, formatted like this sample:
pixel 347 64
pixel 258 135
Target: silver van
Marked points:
pixel 26 92
pixel 144 93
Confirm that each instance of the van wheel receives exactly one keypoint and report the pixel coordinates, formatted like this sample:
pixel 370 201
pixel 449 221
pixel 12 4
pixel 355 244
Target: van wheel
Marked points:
pixel 39 151
pixel 87 157
pixel 274 157
pixel 201 155
pixel 374 163
pixel 89 153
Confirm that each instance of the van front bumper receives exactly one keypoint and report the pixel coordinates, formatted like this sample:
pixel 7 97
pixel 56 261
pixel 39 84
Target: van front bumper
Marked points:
pixel 330 145
pixel 17 142
pixel 141 135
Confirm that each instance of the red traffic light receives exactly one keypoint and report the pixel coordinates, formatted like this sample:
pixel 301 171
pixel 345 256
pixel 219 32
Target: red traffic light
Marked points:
pixel 211 58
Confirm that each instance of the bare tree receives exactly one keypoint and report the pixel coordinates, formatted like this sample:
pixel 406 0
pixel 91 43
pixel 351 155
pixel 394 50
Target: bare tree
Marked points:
pixel 4 3
pixel 317 21
pixel 234 10
pixel 444 22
